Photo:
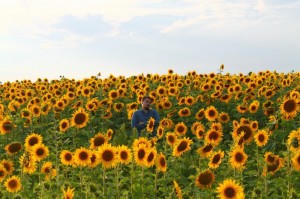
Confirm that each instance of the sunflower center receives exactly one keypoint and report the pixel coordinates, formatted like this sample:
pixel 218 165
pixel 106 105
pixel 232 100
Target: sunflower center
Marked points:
pixel 162 162
pixel 270 158
pixel 205 178
pixel 68 157
pixel 298 159
pixel 211 113
pixel 7 126
pixel 2 173
pixel 182 146
pixel 239 157
pixel 150 157
pixel 93 159
pixel 40 152
pixel 141 154
pixel 229 192
pixel 216 158
pixel 80 118
pixel 123 155
pixel 33 141
pixel 83 155
pixel 261 137
pixel 180 129
pixel 247 131
pixel 207 148
pixel 47 170
pixel 98 141
pixel 64 125
pixel 15 147
pixel 289 106
pixel 12 184
pixel 6 166
pixel 213 135
pixel 171 139
pixel 107 155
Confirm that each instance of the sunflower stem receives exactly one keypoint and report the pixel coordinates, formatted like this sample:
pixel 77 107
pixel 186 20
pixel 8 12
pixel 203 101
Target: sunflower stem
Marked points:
pixel 257 161
pixel 117 176
pixel 155 183
pixel 131 180
pixel 142 181
pixel 103 182
pixel 80 182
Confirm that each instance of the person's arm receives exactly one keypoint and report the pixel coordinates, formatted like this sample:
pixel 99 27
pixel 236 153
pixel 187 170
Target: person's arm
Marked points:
pixel 135 122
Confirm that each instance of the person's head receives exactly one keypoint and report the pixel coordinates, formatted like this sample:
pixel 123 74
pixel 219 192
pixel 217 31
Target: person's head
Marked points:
pixel 146 102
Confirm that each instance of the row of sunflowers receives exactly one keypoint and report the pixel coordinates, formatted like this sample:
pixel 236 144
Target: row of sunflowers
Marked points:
pixel 220 135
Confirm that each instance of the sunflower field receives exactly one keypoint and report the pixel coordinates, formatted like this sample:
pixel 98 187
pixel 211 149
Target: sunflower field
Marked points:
pixel 220 135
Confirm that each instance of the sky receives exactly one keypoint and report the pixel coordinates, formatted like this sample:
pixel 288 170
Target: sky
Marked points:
pixel 78 39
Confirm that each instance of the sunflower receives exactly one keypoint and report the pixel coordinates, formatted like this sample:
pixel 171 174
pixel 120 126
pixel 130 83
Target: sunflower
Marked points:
pixel 141 140
pixel 109 134
pixel 150 157
pixel 296 161
pixel 3 173
pixel 213 137
pixel 241 108
pixel 97 141
pixel 13 184
pixel 276 164
pixel 69 193
pixel 171 138
pixel 161 163
pixel 82 156
pixel 6 126
pixel 180 129
pixel 106 114
pixel 246 128
pixel 167 104
pixel 270 158
pixel 124 154
pixel 166 123
pixel 118 107
pixel 184 112
pixel 161 91
pixel 211 113
pixel 294 140
pixel 254 125
pixel 35 110
pixel 27 163
pixel 205 179
pixel 200 114
pixel 48 170
pixel 39 152
pixel 25 113
pixel 13 148
pixel 94 160
pixel 64 125
pixel 261 138
pixel 150 125
pixel 80 118
pixel 113 94
pixel 289 108
pixel 107 155
pixel 177 190
pixel 140 154
pixel 205 151
pixel 182 145
pixel 216 159
pixel 253 107
pixel 225 98
pixel 8 165
pixel 32 140
pixel 238 158
pixel 66 157
pixel 160 132
pixel 230 189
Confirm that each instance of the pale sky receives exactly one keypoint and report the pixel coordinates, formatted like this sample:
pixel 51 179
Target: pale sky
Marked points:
pixel 78 39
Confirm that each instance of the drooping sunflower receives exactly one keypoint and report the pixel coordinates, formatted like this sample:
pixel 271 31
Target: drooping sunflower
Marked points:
pixel 28 164
pixel 80 118
pixel 140 154
pixel 109 134
pixel 66 157
pixel 274 163
pixel 69 193
pixel 184 112
pixel 3 173
pixel 13 184
pixel 6 126
pixel 82 156
pixel 171 138
pixel 205 151
pixel 39 152
pixel 124 154
pixel 230 189
pixel 182 145
pixel 211 113
pixel 177 189
pixel 294 140
pixel 238 158
pixel 107 155
pixel 296 161
pixel 261 138
pixel 8 165
pixel 151 157
pixel 289 108
pixel 180 129
pixel 246 128
pixel 205 179
pixel 216 159
pixel 161 163
pixel 150 125
pixel 32 140
pixel 13 148
pixel 64 125
pixel 200 114
pixel 94 160
pixel 97 141
pixel 213 137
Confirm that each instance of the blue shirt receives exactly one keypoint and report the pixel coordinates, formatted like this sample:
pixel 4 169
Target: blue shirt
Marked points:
pixel 143 116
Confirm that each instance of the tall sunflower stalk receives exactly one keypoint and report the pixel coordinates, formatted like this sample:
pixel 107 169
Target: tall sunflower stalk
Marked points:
pixel 103 181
